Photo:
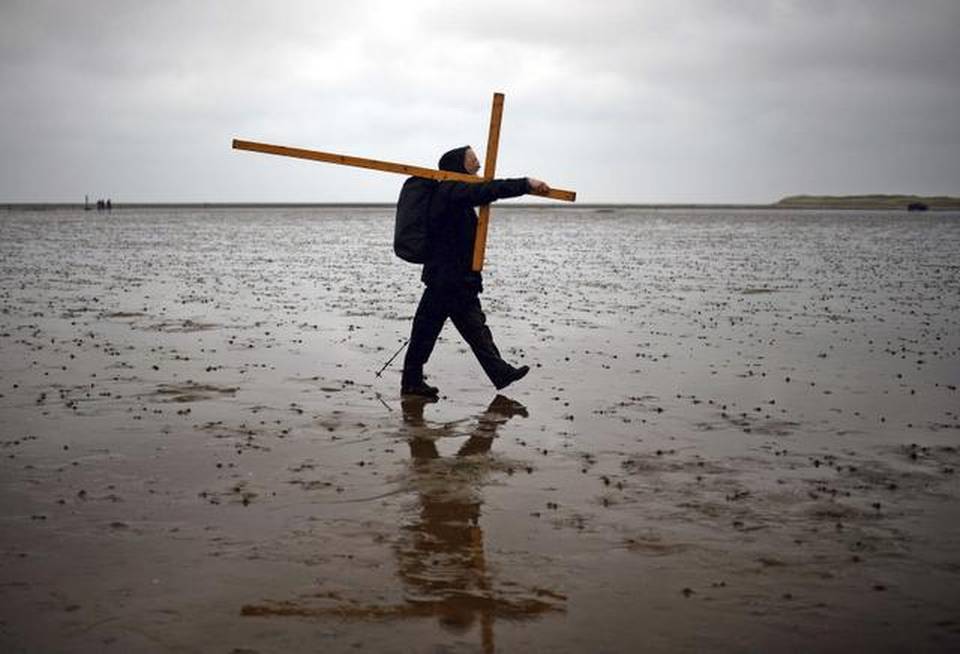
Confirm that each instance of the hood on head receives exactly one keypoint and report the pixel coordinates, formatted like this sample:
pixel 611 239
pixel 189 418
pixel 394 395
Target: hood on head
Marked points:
pixel 452 160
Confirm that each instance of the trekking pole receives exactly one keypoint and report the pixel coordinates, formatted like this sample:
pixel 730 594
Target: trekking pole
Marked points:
pixel 379 372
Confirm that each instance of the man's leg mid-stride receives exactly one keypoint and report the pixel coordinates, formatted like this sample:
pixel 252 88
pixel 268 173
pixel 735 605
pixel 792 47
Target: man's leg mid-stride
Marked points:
pixel 470 321
pixel 427 323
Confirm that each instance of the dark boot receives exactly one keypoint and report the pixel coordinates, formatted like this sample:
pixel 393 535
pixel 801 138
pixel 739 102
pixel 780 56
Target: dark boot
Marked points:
pixel 514 375
pixel 421 390
pixel 412 383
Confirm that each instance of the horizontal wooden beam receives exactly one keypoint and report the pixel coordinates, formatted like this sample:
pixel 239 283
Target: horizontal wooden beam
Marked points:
pixel 376 164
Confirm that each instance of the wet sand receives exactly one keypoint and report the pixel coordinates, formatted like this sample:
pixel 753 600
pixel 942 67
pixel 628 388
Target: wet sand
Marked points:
pixel 740 433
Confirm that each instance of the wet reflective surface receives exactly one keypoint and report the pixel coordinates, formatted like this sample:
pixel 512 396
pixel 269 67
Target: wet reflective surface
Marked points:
pixel 740 430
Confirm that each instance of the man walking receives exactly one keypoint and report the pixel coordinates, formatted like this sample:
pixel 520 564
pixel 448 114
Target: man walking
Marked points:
pixel 452 287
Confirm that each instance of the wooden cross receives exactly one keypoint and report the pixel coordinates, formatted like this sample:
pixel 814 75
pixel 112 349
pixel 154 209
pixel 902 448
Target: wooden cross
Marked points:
pixel 489 168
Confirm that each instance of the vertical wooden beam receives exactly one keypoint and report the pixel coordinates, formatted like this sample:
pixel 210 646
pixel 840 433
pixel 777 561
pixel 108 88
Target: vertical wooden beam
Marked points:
pixel 489 170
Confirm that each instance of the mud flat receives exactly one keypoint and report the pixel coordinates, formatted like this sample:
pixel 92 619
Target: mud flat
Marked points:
pixel 740 433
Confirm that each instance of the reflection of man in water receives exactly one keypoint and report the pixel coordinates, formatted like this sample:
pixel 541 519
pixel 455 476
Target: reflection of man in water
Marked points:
pixel 452 286
pixel 440 552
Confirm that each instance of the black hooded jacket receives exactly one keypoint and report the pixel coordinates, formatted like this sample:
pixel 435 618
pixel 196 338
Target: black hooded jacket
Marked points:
pixel 452 224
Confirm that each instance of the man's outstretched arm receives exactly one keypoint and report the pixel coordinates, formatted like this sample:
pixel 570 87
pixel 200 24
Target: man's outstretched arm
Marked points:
pixel 486 192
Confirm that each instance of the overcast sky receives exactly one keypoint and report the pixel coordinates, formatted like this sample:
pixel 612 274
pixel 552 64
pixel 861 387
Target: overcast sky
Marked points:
pixel 622 101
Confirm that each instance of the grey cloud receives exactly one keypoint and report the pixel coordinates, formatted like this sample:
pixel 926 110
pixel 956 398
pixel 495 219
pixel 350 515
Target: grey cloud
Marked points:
pixel 625 101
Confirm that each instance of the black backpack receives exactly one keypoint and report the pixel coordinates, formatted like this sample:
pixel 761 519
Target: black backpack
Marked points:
pixel 410 241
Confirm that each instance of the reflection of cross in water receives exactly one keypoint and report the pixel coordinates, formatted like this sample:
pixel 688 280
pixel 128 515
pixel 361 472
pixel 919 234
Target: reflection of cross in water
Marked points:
pixel 440 554
pixel 489 167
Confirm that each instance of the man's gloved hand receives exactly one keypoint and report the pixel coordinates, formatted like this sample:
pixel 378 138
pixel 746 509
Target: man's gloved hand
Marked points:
pixel 538 187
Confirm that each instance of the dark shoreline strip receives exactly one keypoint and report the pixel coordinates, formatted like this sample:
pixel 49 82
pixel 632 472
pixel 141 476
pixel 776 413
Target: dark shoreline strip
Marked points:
pixel 54 206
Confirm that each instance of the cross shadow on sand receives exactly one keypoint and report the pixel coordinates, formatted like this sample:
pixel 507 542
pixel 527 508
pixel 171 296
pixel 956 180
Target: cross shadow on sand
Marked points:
pixel 440 556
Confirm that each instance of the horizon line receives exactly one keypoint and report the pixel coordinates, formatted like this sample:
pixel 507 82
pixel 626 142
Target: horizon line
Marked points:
pixel 867 201
pixel 347 203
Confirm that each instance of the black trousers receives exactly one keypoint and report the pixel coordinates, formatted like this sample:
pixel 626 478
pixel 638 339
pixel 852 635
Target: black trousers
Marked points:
pixel 462 306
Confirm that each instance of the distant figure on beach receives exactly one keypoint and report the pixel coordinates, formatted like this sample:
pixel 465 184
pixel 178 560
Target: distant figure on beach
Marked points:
pixel 452 287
